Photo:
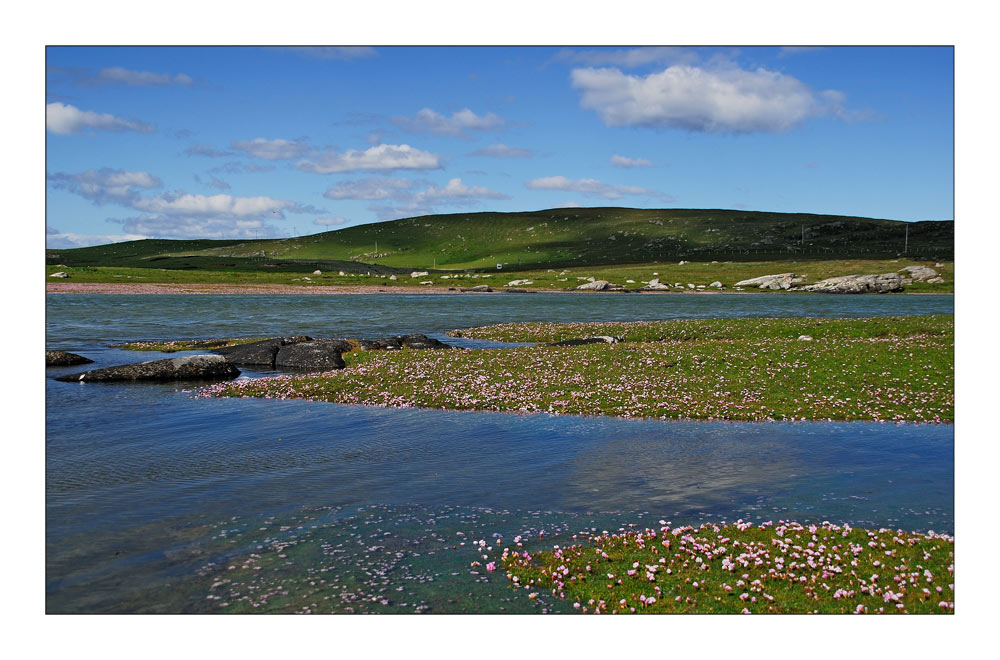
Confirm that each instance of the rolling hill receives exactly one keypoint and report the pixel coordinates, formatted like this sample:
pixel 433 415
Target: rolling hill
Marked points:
pixel 543 239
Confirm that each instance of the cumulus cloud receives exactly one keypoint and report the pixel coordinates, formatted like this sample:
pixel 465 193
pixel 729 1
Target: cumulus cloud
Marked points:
pixel 383 157
pixel 123 76
pixel 625 161
pixel 591 187
pixel 328 222
pixel 105 185
pixel 277 149
pixel 334 52
pixel 454 193
pixel 164 226
pixel 455 189
pixel 373 189
pixel 428 121
pixel 629 57
pixel 61 241
pixel 726 100
pixel 227 206
pixel 502 151
pixel 208 152
pixel 63 119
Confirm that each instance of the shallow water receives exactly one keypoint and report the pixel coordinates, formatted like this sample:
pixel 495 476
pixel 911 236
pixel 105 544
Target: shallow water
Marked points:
pixel 151 494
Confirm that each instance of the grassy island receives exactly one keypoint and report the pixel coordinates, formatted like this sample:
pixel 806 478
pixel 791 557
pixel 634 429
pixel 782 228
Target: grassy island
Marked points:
pixel 772 568
pixel 894 369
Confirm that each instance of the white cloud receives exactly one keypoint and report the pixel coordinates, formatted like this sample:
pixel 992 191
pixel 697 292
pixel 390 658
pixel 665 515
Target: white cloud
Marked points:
pixel 625 161
pixel 212 205
pixel 726 100
pixel 60 241
pixel 591 187
pixel 105 185
pixel 335 52
pixel 120 75
pixel 628 58
pixel 327 222
pixel 67 119
pixel 383 157
pixel 207 151
pixel 277 149
pixel 375 188
pixel 455 189
pixel 502 151
pixel 569 205
pixel 428 121
pixel 161 226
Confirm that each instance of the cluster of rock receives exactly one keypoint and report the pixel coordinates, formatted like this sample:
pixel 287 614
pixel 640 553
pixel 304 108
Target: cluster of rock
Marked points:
pixel 299 352
pixel 874 283
pixel 600 285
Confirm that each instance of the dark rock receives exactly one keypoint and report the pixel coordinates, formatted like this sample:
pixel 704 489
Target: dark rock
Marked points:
pixel 194 367
pixel 386 344
pixel 420 342
pixel 588 340
pixel 259 352
pixel 316 354
pixel 64 359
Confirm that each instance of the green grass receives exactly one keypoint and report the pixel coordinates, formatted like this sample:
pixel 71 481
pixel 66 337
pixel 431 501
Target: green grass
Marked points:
pixel 773 568
pixel 882 369
pixel 184 344
pixel 697 273
pixel 553 238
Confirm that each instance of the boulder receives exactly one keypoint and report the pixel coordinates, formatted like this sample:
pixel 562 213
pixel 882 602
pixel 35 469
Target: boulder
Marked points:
pixel 317 272
pixel 59 274
pixel 883 283
pixel 483 288
pixel 418 273
pixel 805 338
pixel 655 285
pixel 716 285
pixel 919 273
pixel 412 341
pixel 773 282
pixel 519 283
pixel 598 285
pixel 64 359
pixel 194 367
pixel 316 354
pixel 260 353
pixel 421 342
pixel 588 340
pixel 936 280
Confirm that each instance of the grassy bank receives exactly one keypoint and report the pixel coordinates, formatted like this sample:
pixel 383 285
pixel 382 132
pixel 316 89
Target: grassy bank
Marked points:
pixel 694 273
pixel 881 369
pixel 773 568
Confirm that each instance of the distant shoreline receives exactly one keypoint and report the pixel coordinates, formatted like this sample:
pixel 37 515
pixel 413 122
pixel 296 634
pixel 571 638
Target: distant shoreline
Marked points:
pixel 258 289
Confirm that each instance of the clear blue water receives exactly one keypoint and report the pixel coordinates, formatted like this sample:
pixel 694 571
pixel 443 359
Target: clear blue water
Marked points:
pixel 151 494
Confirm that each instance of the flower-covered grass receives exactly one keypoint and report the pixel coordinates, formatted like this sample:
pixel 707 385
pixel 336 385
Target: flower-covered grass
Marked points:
pixel 898 370
pixel 782 567
pixel 184 344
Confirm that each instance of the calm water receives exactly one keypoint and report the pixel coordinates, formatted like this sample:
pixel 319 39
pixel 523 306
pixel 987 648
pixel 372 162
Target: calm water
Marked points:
pixel 152 495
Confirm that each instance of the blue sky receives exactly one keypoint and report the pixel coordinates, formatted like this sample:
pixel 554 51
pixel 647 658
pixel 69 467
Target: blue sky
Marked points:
pixel 243 142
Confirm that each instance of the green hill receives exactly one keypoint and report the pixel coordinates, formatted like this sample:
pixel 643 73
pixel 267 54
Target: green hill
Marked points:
pixel 544 239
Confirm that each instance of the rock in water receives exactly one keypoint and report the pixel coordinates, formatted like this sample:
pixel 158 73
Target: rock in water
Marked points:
pixel 413 342
pixel 883 283
pixel 194 367
pixel 258 352
pixel 64 359
pixel 316 354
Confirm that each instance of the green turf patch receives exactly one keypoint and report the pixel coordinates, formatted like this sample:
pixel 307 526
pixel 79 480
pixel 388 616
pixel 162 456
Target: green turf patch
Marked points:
pixel 772 568
pixel 898 370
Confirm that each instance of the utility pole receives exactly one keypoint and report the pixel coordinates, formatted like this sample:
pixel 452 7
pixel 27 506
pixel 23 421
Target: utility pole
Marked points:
pixel 906 239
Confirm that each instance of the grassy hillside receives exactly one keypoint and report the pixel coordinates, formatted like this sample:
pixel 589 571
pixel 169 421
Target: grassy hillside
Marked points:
pixel 543 239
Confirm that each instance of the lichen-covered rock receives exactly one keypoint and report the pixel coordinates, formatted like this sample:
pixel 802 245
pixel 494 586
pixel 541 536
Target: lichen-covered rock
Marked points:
pixel 64 359
pixel 781 281
pixel 316 354
pixel 919 273
pixel 883 283
pixel 597 285
pixel 194 367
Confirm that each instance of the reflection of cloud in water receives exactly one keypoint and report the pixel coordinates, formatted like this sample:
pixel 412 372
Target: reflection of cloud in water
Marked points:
pixel 681 467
